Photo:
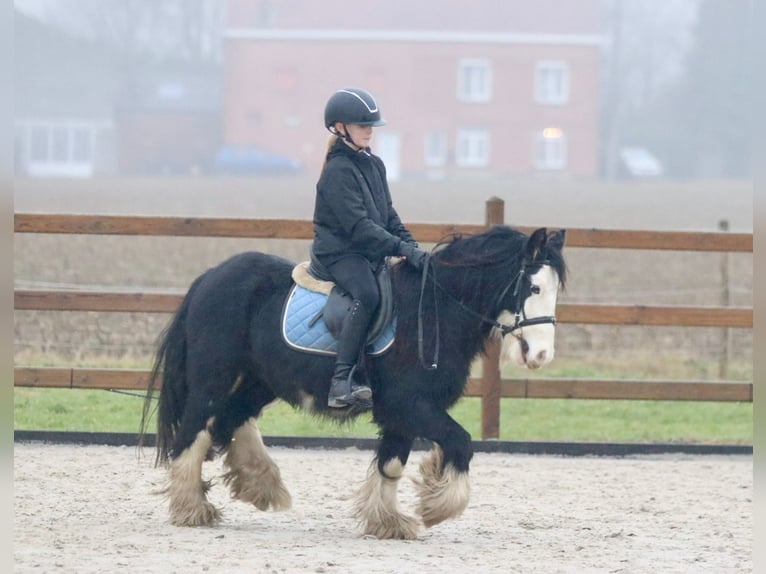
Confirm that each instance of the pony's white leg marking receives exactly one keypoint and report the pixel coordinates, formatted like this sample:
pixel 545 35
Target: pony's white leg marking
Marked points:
pixel 253 476
pixel 187 491
pixel 444 494
pixel 376 504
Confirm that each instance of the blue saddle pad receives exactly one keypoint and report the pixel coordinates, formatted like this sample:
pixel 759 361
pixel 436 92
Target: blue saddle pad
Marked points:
pixel 303 305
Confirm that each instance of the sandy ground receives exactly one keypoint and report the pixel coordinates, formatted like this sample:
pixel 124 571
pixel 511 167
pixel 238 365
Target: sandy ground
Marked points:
pixel 92 509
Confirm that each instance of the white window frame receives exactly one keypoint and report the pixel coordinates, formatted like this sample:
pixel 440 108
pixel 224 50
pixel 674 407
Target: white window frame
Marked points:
pixel 435 148
pixel 474 80
pixel 552 82
pixel 550 149
pixel 472 147
pixel 47 164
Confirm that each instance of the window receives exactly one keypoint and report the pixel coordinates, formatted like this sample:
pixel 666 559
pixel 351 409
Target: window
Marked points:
pixel 80 145
pixel 550 149
pixel 60 144
pixel 472 148
pixel 55 147
pixel 436 149
pixel 38 144
pixel 552 83
pixel 474 81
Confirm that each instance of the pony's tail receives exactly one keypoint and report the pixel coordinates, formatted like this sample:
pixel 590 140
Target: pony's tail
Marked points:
pixel 169 370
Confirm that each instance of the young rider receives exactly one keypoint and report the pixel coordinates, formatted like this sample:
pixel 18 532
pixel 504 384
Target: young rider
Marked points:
pixel 355 228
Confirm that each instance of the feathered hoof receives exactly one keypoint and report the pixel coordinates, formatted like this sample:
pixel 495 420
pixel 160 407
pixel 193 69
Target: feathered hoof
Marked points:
pixel 202 514
pixel 264 492
pixel 395 526
pixel 443 494
pixel 376 507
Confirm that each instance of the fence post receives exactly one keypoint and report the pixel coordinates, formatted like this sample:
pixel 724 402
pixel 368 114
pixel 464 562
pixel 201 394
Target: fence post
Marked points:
pixel 723 363
pixel 490 371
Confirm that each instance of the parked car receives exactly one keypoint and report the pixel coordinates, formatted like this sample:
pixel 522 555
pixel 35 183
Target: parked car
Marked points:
pixel 251 160
pixel 639 163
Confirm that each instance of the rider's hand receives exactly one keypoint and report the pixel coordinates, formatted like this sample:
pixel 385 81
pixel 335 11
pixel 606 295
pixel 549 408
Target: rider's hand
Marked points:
pixel 413 255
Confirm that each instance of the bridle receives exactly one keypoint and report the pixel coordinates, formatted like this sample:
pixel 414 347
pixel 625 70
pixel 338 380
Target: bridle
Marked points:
pixel 520 319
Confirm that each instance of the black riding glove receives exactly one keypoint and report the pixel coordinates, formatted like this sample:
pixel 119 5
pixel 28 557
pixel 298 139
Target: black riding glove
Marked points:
pixel 414 255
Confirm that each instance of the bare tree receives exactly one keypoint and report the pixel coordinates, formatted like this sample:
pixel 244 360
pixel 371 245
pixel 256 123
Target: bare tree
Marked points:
pixel 647 45
pixel 178 29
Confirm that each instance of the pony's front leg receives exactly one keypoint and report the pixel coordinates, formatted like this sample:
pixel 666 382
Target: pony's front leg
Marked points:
pixel 376 506
pixel 444 488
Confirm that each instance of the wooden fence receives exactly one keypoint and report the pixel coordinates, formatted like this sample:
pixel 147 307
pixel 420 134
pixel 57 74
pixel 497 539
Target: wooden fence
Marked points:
pixel 490 386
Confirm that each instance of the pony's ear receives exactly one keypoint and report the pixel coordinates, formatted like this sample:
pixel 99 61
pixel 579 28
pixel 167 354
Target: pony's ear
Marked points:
pixel 556 239
pixel 535 243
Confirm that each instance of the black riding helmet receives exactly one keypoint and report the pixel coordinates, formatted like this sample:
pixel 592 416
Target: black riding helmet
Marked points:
pixel 352 106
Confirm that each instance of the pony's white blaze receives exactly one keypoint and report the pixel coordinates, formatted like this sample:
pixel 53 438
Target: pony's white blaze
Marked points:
pixel 537 348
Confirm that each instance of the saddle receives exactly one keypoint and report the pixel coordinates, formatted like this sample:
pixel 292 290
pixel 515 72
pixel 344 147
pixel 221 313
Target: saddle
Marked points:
pixel 315 308
pixel 339 301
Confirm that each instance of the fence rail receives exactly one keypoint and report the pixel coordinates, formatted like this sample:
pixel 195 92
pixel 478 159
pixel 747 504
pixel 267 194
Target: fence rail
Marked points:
pixel 593 314
pixel 490 387
pixel 544 388
pixel 300 229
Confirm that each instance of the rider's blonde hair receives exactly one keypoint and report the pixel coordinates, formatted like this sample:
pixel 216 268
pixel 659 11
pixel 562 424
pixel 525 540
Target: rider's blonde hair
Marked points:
pixel 330 142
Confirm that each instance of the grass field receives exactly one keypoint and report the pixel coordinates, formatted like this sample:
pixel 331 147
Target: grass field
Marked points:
pixel 520 419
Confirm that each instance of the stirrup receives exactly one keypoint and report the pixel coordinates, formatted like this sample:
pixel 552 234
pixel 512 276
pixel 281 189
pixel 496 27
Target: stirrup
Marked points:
pixel 360 396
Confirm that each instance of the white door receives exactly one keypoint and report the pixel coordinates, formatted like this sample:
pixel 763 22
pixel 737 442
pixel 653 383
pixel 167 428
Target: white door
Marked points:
pixel 388 145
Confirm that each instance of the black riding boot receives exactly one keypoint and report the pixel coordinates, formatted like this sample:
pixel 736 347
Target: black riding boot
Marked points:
pixel 353 335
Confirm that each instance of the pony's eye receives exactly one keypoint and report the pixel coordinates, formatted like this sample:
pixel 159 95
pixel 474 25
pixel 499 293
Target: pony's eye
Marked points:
pixel 535 289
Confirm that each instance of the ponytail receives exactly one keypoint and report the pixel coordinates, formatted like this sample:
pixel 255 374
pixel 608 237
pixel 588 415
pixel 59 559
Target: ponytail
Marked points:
pixel 330 142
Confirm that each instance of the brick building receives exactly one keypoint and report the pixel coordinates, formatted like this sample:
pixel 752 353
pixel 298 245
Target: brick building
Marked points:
pixel 489 87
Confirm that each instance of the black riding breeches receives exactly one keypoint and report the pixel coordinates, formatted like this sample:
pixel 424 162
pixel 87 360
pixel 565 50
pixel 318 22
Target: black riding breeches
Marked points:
pixel 355 274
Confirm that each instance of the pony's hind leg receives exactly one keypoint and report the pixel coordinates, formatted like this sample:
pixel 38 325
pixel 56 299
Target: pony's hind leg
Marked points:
pixel 253 476
pixel 186 490
pixel 376 506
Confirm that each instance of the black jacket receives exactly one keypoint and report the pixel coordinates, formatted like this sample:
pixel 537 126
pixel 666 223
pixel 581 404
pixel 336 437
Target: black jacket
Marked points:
pixel 350 217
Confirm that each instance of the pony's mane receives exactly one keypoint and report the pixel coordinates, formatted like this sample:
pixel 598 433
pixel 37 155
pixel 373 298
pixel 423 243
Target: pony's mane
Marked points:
pixel 499 246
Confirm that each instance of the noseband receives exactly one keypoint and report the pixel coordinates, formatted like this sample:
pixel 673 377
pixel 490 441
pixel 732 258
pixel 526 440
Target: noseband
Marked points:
pixel 520 317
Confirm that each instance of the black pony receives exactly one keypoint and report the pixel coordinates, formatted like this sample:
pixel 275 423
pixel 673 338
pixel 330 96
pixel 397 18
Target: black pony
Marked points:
pixel 222 359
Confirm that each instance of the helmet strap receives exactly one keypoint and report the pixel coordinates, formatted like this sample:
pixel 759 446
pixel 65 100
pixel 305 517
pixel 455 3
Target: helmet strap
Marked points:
pixel 347 139
pixel 347 136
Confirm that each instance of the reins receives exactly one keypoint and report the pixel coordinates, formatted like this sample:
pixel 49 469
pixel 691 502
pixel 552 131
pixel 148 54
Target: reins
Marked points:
pixel 520 318
pixel 424 277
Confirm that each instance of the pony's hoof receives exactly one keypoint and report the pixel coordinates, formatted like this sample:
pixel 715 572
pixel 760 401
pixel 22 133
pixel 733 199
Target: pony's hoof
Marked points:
pixel 205 514
pixel 394 526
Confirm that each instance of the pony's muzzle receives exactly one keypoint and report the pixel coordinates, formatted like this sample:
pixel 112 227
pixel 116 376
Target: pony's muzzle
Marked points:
pixel 534 359
pixel 538 360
